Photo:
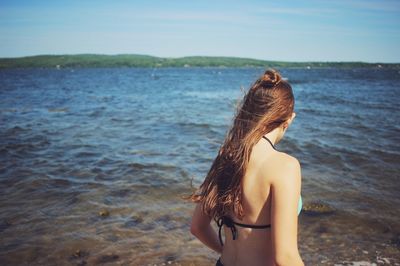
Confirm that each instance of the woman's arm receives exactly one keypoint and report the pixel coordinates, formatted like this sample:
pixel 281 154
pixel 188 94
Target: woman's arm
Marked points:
pixel 202 229
pixel 285 198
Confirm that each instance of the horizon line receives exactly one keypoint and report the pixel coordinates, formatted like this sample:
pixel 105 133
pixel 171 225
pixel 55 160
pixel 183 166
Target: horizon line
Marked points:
pixel 210 56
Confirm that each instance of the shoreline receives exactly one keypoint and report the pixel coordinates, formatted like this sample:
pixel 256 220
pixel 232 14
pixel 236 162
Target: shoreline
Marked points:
pixel 142 234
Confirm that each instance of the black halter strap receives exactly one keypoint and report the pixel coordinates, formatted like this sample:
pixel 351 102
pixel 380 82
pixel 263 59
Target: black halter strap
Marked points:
pixel 270 142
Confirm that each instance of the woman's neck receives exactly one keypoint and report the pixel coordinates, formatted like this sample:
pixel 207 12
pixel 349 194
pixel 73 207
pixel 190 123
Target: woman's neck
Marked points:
pixel 274 135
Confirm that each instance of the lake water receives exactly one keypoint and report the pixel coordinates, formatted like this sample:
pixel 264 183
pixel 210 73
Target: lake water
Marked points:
pixel 94 162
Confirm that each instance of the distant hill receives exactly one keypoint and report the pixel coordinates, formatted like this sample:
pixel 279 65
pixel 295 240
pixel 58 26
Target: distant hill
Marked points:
pixel 134 60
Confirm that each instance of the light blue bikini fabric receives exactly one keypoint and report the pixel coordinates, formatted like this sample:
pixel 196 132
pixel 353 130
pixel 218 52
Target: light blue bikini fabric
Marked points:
pixel 299 206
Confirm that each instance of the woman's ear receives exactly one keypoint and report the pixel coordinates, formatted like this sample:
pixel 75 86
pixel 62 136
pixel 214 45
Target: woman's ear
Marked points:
pixel 291 119
pixel 285 125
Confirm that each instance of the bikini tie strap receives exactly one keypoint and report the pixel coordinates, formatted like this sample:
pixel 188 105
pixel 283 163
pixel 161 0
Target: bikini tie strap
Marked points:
pixel 224 220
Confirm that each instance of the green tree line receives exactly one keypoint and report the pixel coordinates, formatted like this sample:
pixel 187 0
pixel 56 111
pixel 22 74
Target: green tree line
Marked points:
pixel 135 60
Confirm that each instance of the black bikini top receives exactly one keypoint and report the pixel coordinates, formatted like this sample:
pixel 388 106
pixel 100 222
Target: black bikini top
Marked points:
pixel 225 220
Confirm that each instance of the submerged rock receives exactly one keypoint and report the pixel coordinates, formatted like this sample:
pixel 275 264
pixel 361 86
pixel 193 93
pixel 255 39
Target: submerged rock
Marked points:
pixel 82 263
pixel 317 208
pixel 107 258
pixel 134 221
pixel 137 219
pixel 104 213
pixel 169 258
pixel 77 253
pixel 395 241
pixel 4 225
pixel 79 256
pixel 164 219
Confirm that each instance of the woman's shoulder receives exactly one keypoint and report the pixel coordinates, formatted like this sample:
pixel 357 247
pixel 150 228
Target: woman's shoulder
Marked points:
pixel 287 160
pixel 282 167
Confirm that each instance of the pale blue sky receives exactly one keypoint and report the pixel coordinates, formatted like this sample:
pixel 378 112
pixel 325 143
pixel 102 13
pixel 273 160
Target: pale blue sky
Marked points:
pixel 339 30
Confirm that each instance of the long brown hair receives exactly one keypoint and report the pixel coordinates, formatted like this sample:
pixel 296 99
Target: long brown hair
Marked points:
pixel 266 105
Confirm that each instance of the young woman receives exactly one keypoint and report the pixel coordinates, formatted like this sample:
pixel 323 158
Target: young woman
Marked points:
pixel 252 190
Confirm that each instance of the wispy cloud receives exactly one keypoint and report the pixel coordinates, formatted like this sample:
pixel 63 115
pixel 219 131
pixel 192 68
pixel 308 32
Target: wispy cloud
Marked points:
pixel 368 5
pixel 303 11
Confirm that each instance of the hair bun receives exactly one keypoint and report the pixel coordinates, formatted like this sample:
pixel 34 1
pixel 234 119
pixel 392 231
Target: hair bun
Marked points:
pixel 271 78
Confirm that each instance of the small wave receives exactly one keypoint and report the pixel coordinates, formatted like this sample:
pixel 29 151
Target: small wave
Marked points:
pixel 157 166
pixel 15 131
pixel 145 152
pixel 365 263
pixel 198 125
pixel 105 161
pixel 299 81
pixel 308 110
pixel 117 119
pixel 11 110
pixel 20 147
pixel 98 112
pixel 85 154
pixel 58 110
pixel 391 158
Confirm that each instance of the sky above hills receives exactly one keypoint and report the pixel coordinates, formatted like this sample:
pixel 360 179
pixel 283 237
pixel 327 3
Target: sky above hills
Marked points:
pixel 340 30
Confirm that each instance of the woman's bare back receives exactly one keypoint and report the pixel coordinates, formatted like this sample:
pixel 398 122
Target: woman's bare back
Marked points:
pixel 254 246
